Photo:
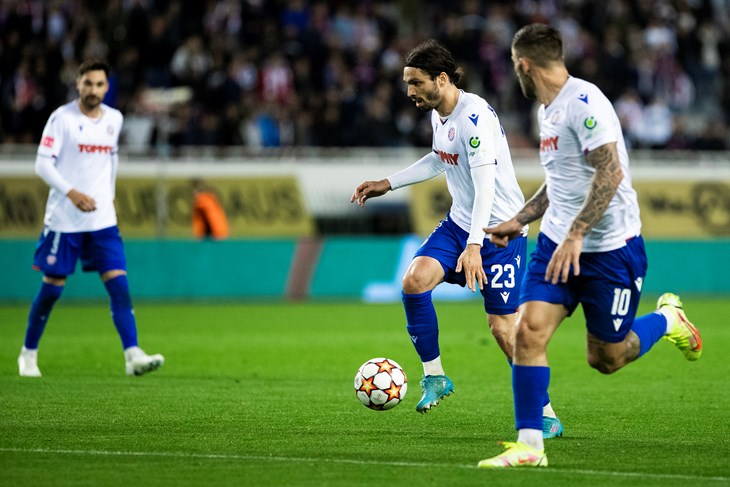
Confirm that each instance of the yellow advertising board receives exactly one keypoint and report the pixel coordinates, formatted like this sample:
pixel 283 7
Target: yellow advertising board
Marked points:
pixel 148 207
pixel 669 209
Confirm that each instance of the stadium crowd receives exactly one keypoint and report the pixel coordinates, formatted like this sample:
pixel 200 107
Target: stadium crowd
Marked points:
pixel 283 73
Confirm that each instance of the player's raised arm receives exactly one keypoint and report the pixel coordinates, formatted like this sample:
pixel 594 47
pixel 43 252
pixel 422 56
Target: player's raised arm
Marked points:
pixel 425 168
pixel 370 189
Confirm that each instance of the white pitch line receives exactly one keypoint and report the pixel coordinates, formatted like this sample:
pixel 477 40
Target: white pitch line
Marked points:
pixel 226 456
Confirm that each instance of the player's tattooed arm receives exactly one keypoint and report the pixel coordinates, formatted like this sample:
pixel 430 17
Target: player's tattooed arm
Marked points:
pixel 535 206
pixel 605 183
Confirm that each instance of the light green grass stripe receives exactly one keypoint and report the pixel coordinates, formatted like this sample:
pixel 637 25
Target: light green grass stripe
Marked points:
pixel 227 456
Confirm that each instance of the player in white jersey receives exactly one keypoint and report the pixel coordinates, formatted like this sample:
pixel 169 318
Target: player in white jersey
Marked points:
pixel 78 159
pixel 470 146
pixel 589 250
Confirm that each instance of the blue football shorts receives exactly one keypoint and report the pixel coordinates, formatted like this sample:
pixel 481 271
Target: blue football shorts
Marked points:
pixel 504 267
pixel 608 287
pixel 102 250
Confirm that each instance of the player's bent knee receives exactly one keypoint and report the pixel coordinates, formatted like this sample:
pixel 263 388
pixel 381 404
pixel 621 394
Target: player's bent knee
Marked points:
pixel 55 280
pixel 417 283
pixel 531 334
pixel 108 275
pixel 604 365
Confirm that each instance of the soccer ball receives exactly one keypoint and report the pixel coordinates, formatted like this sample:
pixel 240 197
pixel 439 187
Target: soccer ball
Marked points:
pixel 380 384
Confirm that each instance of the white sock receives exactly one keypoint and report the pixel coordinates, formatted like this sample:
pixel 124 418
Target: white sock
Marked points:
pixel 671 317
pixel 547 410
pixel 433 367
pixel 532 438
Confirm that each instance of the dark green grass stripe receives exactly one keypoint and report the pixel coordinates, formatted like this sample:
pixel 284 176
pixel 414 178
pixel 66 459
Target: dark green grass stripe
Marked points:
pixel 262 458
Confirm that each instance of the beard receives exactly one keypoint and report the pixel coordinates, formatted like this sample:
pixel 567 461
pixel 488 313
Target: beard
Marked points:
pixel 90 102
pixel 430 100
pixel 527 85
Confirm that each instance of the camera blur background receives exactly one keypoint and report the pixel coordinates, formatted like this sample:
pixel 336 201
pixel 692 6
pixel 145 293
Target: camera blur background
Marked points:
pixel 297 73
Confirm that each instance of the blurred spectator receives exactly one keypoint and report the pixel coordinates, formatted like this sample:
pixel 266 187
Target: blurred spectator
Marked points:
pixel 656 125
pixel 679 140
pixel 630 111
pixel 191 62
pixel 713 137
pixel 313 72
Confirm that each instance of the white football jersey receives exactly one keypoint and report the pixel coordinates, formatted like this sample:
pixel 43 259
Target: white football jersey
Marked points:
pixel 579 120
pixel 471 137
pixel 84 153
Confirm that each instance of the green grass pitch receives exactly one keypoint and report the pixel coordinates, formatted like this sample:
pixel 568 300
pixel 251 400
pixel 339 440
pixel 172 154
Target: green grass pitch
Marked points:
pixel 261 394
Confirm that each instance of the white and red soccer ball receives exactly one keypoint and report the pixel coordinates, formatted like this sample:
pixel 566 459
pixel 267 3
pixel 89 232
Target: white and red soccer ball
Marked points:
pixel 380 384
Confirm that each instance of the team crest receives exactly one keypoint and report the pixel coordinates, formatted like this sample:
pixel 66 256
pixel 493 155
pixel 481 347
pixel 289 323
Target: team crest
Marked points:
pixel 51 259
pixel 110 130
pixel 452 132
pixel 47 141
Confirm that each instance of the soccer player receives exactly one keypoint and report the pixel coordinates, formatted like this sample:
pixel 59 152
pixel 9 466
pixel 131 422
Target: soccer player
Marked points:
pixel 77 158
pixel 589 250
pixel 469 145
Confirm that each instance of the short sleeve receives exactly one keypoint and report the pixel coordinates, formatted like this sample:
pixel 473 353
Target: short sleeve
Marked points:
pixel 478 138
pixel 593 119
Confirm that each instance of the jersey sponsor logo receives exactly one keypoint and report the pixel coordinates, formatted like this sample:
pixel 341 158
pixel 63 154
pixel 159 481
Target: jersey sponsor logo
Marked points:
pixel 474 118
pixel 584 98
pixel 414 338
pixel 549 143
pixel 518 259
pixel 95 149
pixel 47 141
pixel 505 296
pixel 474 142
pixel 449 158
pixel 452 132
pixel 590 123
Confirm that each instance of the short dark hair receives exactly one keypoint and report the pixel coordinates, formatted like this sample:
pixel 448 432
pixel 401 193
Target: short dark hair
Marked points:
pixel 93 65
pixel 433 58
pixel 540 43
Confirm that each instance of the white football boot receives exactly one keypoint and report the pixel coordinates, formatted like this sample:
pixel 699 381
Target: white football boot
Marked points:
pixel 137 362
pixel 28 363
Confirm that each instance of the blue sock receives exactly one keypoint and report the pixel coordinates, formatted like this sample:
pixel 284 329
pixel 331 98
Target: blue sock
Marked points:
pixel 529 385
pixel 547 397
pixel 422 324
pixel 649 328
pixel 39 312
pixel 122 312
